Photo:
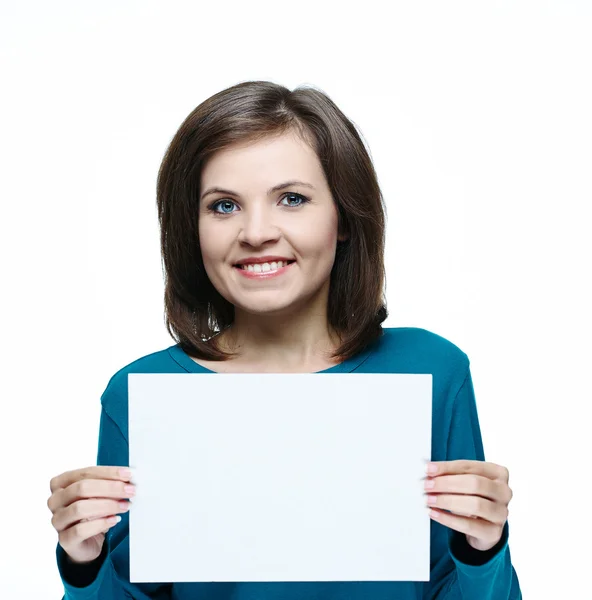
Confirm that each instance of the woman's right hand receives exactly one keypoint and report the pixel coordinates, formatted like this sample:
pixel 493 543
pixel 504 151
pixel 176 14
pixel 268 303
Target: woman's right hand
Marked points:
pixel 83 503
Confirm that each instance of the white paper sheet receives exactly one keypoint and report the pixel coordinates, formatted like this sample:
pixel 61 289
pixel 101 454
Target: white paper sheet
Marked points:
pixel 279 477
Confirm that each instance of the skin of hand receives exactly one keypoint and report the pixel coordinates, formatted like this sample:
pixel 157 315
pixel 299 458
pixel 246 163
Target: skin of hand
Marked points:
pixel 477 495
pixel 83 503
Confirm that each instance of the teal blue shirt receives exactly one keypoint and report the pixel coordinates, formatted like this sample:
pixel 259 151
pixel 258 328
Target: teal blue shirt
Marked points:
pixel 457 571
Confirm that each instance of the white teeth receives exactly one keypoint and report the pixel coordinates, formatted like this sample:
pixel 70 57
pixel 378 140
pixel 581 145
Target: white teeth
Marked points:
pixel 264 267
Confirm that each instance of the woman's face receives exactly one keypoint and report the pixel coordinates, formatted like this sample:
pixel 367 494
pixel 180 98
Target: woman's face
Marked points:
pixel 249 220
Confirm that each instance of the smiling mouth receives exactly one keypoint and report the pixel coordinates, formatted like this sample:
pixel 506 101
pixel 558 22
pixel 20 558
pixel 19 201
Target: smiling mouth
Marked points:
pixel 264 267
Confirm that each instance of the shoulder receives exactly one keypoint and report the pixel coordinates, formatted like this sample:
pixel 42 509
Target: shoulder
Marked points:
pixel 417 344
pixel 417 350
pixel 160 361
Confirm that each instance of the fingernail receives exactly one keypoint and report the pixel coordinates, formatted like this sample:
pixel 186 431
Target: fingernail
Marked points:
pixel 431 468
pixel 125 473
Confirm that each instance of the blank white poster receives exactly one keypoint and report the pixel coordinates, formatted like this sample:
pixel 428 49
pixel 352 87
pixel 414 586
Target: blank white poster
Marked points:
pixel 279 477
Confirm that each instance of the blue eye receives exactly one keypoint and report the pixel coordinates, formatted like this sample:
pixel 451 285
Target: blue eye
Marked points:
pixel 298 196
pixel 220 203
pixel 213 207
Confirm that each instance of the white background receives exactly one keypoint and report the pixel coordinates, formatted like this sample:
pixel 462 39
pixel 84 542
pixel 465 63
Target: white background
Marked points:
pixel 478 119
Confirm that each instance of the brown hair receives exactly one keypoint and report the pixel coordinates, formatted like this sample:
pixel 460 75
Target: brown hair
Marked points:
pixel 249 111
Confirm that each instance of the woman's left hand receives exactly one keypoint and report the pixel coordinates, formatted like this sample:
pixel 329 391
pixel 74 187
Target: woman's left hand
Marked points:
pixel 477 493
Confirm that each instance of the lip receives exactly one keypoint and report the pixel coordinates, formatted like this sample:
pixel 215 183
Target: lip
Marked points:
pixel 263 275
pixel 253 260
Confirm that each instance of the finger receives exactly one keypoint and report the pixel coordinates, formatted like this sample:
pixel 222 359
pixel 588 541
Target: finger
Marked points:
pixel 76 534
pixel 87 510
pixel 484 531
pixel 94 472
pixel 88 488
pixel 475 485
pixel 470 506
pixel 474 467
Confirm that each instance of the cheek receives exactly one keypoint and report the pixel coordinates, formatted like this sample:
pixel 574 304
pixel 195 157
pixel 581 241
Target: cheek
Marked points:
pixel 320 239
pixel 212 253
pixel 211 243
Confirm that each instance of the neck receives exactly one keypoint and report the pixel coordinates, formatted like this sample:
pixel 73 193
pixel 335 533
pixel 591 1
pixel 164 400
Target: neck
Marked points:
pixel 281 343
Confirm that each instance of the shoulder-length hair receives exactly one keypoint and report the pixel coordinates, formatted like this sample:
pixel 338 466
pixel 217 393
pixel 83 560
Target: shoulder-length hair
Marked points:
pixel 249 111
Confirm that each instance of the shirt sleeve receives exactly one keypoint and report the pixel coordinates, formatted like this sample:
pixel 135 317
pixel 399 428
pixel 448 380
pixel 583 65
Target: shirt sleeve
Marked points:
pixel 107 578
pixel 465 573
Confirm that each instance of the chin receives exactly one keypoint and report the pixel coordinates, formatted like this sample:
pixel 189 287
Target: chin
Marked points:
pixel 271 309
pixel 271 306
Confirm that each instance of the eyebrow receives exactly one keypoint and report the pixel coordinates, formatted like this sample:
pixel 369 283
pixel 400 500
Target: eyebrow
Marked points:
pixel 270 191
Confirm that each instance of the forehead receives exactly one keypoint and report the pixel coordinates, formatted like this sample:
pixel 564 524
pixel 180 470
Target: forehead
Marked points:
pixel 285 156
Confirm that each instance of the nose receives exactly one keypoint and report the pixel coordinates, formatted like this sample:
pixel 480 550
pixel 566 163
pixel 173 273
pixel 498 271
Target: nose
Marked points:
pixel 257 226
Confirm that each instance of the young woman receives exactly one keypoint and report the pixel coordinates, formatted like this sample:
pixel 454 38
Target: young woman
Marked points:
pixel 272 236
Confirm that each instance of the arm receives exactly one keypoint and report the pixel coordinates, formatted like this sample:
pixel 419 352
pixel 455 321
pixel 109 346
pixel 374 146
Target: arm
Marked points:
pixel 107 578
pixel 465 573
